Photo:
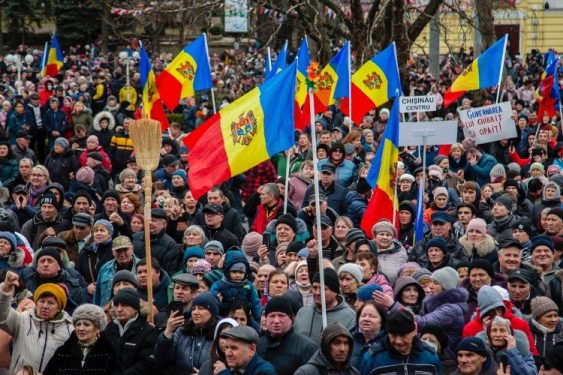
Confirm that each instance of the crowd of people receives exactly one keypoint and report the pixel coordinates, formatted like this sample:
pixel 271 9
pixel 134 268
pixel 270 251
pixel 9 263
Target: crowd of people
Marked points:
pixel 236 274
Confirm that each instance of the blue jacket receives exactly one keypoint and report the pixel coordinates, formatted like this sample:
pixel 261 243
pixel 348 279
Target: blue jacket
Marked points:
pixel 256 366
pixel 383 359
pixel 16 121
pixel 55 121
pixel 161 175
pixel 335 196
pixel 105 281
pixel 238 291
pixel 480 171
pixel 346 172
pixel 355 207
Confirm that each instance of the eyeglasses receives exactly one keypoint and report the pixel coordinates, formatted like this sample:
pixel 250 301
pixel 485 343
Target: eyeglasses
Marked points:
pixel 339 151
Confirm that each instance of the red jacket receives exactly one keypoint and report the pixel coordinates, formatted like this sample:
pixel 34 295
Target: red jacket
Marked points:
pixel 476 325
pixel 263 218
pixel 106 162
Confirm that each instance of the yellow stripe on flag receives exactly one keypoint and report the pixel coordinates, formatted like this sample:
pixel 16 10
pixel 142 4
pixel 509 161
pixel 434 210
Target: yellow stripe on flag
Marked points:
pixel 468 79
pixel 326 85
pixel 371 79
pixel 183 68
pixel 388 169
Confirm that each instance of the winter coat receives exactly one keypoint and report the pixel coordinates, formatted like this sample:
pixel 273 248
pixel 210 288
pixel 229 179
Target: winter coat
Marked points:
pixel 231 221
pixel 487 249
pixel 232 291
pixel 104 281
pixel 35 340
pixel 445 311
pixel 9 170
pixel 160 292
pixel 476 325
pixel 135 347
pixel 15 123
pixel 92 258
pixel 264 216
pixel 14 261
pixel 104 135
pixel 418 254
pixel 106 161
pixel 223 235
pixel 73 282
pixel 163 248
pixel 33 228
pixel 297 188
pixel 480 172
pixel 102 359
pixel 390 260
pixel 20 153
pixel 519 359
pixel 555 287
pixel 288 352
pixel 309 320
pixel 346 172
pixel 355 207
pixel 187 350
pixel 83 118
pixel 55 121
pixel 102 178
pixel 60 166
pixel 120 149
pixel 320 365
pixel 383 359
pixel 502 230
pixel 335 196
pixel 361 346
pixel 256 366
pixel 543 339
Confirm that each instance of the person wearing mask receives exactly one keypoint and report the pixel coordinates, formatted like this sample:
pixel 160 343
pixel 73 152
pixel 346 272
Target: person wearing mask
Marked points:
pixel 284 348
pixel 133 337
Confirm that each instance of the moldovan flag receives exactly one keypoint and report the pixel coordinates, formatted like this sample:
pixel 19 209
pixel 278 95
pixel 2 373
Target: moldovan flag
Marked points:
pixel 279 64
pixel 373 84
pixel 303 61
pixel 52 63
pixel 483 72
pixel 243 134
pixel 382 175
pixel 187 73
pixel 548 92
pixel 151 99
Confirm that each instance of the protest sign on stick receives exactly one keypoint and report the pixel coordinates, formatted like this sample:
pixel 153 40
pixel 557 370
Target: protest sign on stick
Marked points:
pixel 488 124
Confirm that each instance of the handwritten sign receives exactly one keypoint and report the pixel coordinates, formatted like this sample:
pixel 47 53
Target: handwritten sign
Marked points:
pixel 488 124
pixel 410 104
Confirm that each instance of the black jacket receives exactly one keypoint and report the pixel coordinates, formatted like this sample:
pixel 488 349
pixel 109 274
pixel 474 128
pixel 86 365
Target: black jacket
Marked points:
pixel 102 359
pixel 163 248
pixel 231 221
pixel 287 353
pixel 135 347
pixel 223 235
pixel 90 260
pixel 60 166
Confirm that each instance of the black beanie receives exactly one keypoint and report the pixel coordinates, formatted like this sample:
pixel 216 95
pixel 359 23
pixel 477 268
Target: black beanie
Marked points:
pixel 52 252
pixel 483 264
pixel 82 193
pixel 400 322
pixel 363 186
pixel 111 194
pixel 288 220
pixel 512 183
pixel 279 304
pixel 295 247
pixel 331 279
pixel 129 297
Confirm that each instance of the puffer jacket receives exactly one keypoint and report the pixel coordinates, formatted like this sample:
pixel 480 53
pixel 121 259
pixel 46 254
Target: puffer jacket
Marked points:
pixel 309 319
pixel 346 172
pixel 163 248
pixel 232 291
pixel 390 260
pixel 383 359
pixel 487 249
pixel 519 359
pixel 543 339
pixel 120 149
pixel 35 340
pixel 187 350
pixel 297 187
pixel 288 352
pixel 33 228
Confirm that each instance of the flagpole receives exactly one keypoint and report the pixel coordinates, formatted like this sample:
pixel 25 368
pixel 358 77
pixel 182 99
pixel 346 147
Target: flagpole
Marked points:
pixel 317 207
pixel 350 83
pixel 270 60
pixel 286 182
pixel 501 66
pixel 209 63
pixel 44 59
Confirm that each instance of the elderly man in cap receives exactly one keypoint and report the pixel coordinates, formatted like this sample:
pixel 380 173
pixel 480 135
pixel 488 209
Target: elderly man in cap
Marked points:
pixel 214 228
pixel 231 218
pixel 523 286
pixel 309 318
pixel 543 257
pixel 37 332
pixel 441 226
pixel 123 259
pixel 332 190
pixel 307 213
pixel 473 358
pixel 284 348
pixel 334 355
pixel 163 247
pixel 169 165
pixel 111 212
pixel 21 149
pixel 509 256
pixel 46 222
pixel 79 236
pixel 186 287
pixel 133 337
pixel 400 351
pixel 240 353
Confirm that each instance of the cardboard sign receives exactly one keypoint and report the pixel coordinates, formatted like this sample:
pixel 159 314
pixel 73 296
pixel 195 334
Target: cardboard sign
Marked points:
pixel 410 104
pixel 488 124
pixel 427 132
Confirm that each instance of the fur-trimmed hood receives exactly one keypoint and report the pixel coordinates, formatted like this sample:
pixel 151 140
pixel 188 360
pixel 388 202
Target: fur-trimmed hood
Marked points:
pixel 482 249
pixel 15 258
pixel 457 296
pixel 100 116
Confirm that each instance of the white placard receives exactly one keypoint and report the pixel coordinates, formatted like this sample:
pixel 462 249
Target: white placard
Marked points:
pixel 488 124
pixel 236 16
pixel 436 132
pixel 411 104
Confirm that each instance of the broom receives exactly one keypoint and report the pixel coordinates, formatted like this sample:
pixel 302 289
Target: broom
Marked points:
pixel 147 138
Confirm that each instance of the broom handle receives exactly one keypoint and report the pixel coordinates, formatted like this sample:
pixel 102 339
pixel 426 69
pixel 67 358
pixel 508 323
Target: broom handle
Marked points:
pixel 147 182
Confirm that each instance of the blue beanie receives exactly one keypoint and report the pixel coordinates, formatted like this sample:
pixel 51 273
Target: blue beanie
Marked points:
pixel 544 240
pixel 365 293
pixel 208 301
pixel 11 239
pixel 181 173
pixel 192 252
pixel 438 242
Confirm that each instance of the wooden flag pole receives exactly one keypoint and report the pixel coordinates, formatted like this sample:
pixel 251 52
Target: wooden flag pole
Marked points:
pixel 147 139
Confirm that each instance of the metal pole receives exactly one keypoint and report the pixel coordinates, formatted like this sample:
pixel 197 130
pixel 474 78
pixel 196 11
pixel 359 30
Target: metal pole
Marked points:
pixel 286 182
pixel 213 100
pixel 350 84
pixel 317 207
pixel 209 62
pixel 501 67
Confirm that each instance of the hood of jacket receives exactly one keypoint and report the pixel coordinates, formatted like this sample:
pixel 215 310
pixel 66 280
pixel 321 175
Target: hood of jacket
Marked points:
pixel 232 257
pixel 15 258
pixel 100 116
pixel 482 249
pixel 331 332
pixel 489 299
pixel 457 296
pixel 557 192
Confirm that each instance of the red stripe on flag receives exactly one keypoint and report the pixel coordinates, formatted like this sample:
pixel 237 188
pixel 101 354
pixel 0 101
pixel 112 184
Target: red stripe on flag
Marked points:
pixel 380 206
pixel 361 105
pixel 157 113
pixel 169 89
pixel 450 97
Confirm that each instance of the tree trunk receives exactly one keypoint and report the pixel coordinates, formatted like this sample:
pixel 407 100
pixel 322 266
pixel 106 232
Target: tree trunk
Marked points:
pixel 105 26
pixel 484 12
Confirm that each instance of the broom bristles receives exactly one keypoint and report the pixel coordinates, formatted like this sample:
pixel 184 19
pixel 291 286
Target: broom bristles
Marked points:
pixel 147 140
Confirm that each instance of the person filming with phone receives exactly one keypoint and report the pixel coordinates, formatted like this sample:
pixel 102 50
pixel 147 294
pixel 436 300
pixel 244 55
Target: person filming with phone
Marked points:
pixel 185 290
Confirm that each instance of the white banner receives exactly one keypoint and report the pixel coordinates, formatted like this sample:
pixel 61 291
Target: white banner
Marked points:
pixel 411 104
pixel 488 124
pixel 236 16
pixel 436 133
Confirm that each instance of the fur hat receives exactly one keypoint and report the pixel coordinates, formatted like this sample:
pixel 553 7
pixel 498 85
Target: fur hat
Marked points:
pixel 384 226
pixel 90 312
pixel 201 267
